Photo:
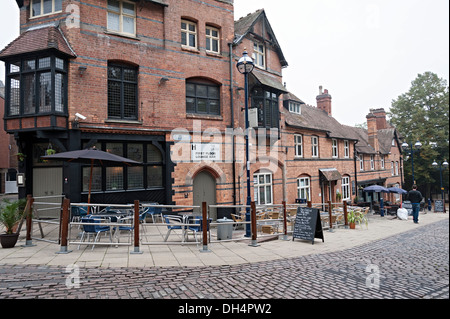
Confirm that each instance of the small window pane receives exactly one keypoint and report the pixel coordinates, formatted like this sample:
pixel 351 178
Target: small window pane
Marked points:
pixel 202 105
pixel 135 177
pixel 36 7
pixel 59 63
pixel 183 26
pixel 115 148
pixel 113 21
pixel 128 8
pixel 192 40
pixel 136 152
pixel 47 6
pixel 128 25
pixel 29 65
pixel 192 27
pixel 202 90
pixel 96 184
pixel 214 107
pixel 154 176
pixel 183 38
pixel 45 92
pixel 29 99
pixel 114 178
pixel 58 5
pixel 190 105
pixel 44 63
pixel 14 67
pixel 114 73
pixel 190 89
pixel 153 154
pixel 114 5
pixel 213 92
pixel 59 95
pixel 14 103
pixel 129 75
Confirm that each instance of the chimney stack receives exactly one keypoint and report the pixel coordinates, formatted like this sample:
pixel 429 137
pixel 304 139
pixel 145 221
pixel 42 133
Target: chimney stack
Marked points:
pixel 324 101
pixel 372 130
pixel 380 115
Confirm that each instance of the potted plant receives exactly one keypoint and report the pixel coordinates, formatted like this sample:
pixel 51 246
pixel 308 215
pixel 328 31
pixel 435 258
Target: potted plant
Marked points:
pixel 354 217
pixel 9 217
pixel 338 196
pixel 21 157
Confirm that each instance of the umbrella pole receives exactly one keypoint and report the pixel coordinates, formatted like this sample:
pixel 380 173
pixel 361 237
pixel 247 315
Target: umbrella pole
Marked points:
pixel 90 185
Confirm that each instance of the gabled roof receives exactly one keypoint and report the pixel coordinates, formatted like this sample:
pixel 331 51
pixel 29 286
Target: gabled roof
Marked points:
pixel 36 39
pixel 245 25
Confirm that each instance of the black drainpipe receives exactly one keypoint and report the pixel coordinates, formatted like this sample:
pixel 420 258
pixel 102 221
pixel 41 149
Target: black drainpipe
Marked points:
pixel 232 120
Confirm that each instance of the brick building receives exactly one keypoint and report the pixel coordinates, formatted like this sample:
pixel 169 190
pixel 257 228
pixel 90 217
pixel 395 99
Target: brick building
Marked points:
pixel 156 81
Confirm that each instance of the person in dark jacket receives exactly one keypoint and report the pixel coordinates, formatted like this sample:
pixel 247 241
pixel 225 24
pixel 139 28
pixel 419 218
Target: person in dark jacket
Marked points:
pixel 415 197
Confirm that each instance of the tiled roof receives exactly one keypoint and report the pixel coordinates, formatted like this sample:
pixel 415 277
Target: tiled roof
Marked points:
pixel 38 39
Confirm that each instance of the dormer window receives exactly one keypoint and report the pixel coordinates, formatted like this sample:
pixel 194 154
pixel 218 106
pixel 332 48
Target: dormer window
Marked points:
pixel 294 107
pixel 259 55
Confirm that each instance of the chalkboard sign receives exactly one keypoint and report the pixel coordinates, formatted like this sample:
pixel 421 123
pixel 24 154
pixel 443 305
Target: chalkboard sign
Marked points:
pixel 307 224
pixel 439 206
pixel 408 206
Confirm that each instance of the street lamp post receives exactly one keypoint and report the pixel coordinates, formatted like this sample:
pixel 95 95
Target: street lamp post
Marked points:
pixel 245 66
pixel 417 146
pixel 441 164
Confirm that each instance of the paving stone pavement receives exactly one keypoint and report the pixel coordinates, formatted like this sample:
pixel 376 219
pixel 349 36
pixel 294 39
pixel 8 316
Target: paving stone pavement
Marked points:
pixel 410 265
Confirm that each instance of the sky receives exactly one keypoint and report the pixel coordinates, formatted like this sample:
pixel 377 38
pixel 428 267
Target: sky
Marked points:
pixel 364 52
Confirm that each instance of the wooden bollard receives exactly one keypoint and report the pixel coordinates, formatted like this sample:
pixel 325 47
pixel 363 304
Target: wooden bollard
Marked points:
pixel 330 214
pixel 253 225
pixel 205 228
pixel 345 215
pixel 29 221
pixel 65 227
pixel 136 228
pixel 284 221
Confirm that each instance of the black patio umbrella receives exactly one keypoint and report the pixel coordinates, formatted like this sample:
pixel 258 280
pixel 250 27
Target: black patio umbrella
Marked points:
pixel 376 189
pixel 397 190
pixel 90 156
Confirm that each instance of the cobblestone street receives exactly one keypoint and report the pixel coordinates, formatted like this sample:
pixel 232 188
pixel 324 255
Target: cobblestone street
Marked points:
pixel 411 265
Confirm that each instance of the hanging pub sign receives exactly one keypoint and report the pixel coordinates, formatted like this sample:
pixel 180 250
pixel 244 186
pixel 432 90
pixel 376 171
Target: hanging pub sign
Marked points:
pixel 307 224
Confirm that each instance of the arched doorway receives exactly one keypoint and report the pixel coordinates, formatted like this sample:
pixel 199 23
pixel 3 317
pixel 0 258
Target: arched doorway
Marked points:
pixel 205 191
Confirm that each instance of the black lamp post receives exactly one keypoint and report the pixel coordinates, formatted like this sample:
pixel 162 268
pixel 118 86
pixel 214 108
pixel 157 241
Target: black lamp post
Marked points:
pixel 444 165
pixel 417 146
pixel 245 66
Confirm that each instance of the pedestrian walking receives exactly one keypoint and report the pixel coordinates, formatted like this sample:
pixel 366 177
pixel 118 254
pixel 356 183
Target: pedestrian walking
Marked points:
pixel 415 197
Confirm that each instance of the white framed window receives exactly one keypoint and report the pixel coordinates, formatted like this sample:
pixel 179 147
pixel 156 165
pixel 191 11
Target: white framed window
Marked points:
pixel 314 146
pixel 361 162
pixel 396 169
pixel 345 183
pixel 382 161
pixel 346 149
pixel 263 188
pixel 189 34
pixel 304 188
pixel 212 39
pixel 392 169
pixel 298 140
pixel 334 148
pixel 372 162
pixel 122 17
pixel 259 55
pixel 295 107
pixel 43 7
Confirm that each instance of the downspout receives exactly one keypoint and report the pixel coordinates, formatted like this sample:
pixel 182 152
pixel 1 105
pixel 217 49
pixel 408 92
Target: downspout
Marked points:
pixel 356 174
pixel 232 122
